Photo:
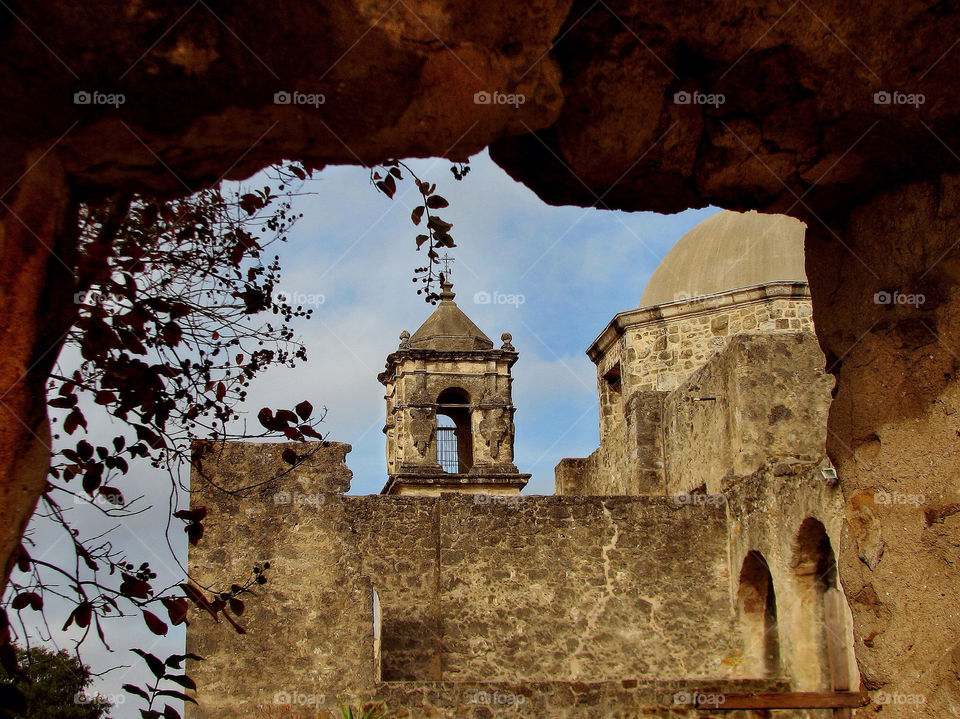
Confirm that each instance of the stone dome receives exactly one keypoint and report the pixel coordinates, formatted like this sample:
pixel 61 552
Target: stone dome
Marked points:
pixel 727 251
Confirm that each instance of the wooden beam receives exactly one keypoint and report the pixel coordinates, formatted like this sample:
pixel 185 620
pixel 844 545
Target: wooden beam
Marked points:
pixel 720 701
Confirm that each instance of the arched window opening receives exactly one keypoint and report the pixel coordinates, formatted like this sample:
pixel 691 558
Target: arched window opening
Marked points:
pixel 757 603
pixel 447 454
pixel 454 431
pixel 820 660
pixel 454 396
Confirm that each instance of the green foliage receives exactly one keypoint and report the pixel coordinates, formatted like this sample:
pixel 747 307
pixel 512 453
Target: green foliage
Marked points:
pixel 52 685
pixel 367 711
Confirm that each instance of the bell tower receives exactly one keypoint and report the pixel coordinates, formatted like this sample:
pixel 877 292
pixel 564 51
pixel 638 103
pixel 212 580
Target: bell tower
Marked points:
pixel 450 409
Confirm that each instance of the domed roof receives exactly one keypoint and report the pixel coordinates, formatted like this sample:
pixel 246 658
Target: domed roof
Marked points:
pixel 448 328
pixel 727 251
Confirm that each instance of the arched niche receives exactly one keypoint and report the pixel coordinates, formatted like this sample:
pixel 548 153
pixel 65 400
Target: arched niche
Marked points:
pixel 820 646
pixel 757 615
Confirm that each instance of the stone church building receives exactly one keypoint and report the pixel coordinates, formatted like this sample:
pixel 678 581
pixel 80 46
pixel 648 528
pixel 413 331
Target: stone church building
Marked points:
pixel 685 568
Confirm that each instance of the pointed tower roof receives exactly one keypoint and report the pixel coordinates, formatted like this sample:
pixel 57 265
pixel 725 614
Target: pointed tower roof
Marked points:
pixel 448 328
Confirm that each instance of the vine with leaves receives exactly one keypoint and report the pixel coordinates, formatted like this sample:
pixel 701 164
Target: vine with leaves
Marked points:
pixel 436 234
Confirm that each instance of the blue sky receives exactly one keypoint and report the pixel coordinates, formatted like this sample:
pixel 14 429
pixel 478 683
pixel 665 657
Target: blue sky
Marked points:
pixel 575 268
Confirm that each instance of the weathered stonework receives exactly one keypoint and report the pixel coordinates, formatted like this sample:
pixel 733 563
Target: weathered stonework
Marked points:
pixel 765 396
pixel 723 398
pixel 450 368
pixel 762 395
pixel 658 347
pixel 565 604
pixel 768 511
pixel 692 552
pixel 692 385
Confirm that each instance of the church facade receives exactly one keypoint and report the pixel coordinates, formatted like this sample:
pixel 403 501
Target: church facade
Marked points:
pixel 686 567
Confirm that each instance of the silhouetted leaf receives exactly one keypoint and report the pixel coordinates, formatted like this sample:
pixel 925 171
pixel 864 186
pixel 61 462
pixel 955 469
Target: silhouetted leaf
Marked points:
pixel 183 680
pixel 176 695
pixel 105 396
pixel 154 623
pixel 83 614
pixel 286 416
pixel 176 609
pixel 250 203
pixel 151 438
pixel 63 402
pixel 197 597
pixel 309 431
pixel 31 599
pixel 112 495
pixel 172 334
pixel 265 417
pixel 174 660
pixel 84 450
pixel 133 689
pixel 153 662
pixel 304 410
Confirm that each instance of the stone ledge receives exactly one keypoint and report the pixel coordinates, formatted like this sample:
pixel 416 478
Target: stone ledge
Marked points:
pixel 485 481
pixel 694 307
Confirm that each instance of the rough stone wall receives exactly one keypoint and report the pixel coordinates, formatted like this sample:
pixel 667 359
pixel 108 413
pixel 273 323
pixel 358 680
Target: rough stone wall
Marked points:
pixel 396 537
pixel 313 620
pixel 629 460
pixel 893 432
pixel 471 588
pixel 644 354
pixel 661 355
pixel 764 396
pixel 626 699
pixel 583 589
